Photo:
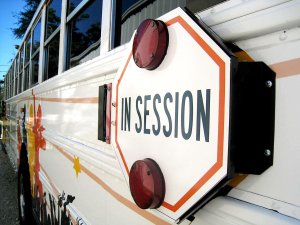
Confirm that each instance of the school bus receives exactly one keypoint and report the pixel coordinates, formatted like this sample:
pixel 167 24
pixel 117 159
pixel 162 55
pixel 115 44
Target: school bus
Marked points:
pixel 156 112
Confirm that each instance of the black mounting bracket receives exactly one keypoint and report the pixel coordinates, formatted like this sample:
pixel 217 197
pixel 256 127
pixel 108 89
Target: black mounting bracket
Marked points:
pixel 252 118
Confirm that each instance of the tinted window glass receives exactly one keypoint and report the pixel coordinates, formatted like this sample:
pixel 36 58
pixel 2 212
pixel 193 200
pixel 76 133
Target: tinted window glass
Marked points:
pixel 127 4
pixel 21 61
pixel 17 60
pixel 16 87
pixel 11 90
pixel 133 12
pixel 73 4
pixel 36 37
pixel 51 65
pixel 13 70
pixel 27 50
pixel 196 5
pixel 35 69
pixel 53 16
pixel 20 83
pixel 26 81
pixel 85 31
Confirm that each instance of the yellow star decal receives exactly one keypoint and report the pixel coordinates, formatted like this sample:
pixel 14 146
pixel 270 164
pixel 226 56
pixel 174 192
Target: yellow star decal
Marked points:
pixel 76 165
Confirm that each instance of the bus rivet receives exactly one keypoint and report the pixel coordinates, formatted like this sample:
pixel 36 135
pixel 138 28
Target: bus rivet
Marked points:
pixel 283 36
pixel 269 84
pixel 267 152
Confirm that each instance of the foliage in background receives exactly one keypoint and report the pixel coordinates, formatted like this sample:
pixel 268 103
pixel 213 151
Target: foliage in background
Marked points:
pixel 24 17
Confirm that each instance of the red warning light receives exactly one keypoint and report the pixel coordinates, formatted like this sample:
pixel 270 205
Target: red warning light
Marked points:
pixel 150 44
pixel 147 184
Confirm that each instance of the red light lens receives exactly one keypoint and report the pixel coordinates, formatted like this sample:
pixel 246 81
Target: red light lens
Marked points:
pixel 150 44
pixel 147 184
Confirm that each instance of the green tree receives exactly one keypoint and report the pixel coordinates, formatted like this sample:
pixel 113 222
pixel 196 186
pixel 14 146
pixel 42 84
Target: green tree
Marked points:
pixel 24 17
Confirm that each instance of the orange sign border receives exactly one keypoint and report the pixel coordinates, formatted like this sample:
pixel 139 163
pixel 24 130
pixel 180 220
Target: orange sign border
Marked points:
pixel 219 162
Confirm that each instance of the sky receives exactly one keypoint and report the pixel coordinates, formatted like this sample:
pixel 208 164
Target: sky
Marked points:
pixel 8 8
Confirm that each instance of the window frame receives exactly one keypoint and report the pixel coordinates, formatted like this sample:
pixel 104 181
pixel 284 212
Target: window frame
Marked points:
pixel 84 4
pixel 35 53
pixel 48 41
pixel 21 68
pixel 26 82
pixel 23 71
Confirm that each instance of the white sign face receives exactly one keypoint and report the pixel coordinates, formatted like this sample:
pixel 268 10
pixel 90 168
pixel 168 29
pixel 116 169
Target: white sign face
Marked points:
pixel 177 114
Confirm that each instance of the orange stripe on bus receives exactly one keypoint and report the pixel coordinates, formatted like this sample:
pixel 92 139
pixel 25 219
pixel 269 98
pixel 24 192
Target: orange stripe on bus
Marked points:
pixel 55 190
pixel 91 100
pixel 70 100
pixel 286 68
pixel 120 198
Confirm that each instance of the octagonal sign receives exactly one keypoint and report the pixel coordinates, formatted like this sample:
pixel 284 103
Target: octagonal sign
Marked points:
pixel 176 114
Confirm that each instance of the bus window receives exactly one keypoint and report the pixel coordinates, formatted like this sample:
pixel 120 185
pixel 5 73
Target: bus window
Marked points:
pixel 84 34
pixel 197 6
pixel 20 83
pixel 36 37
pixel 21 60
pixel 26 63
pixel 13 76
pixel 11 83
pixel 20 71
pixel 16 75
pixel 133 12
pixel 53 17
pixel 51 57
pixel 35 69
pixel 35 53
pixel 7 86
pixel 52 39
pixel 26 78
pixel 8 81
pixel 72 5
pixel 27 49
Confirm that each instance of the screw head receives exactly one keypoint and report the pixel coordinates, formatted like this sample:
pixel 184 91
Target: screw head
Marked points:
pixel 269 84
pixel 267 152
pixel 153 24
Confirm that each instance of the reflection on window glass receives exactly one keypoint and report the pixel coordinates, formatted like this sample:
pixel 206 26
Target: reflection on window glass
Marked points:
pixel 53 16
pixel 36 37
pixel 26 78
pixel 127 4
pixel 85 31
pixel 35 69
pixel 20 83
pixel 16 88
pixel 21 60
pixel 12 72
pixel 131 13
pixel 16 62
pixel 73 4
pixel 197 6
pixel 27 50
pixel 51 64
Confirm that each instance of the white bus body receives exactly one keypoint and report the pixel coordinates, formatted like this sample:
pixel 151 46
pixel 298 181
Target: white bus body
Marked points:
pixel 57 122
